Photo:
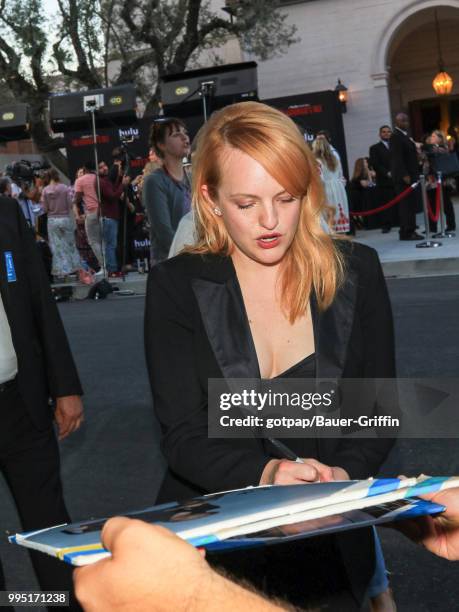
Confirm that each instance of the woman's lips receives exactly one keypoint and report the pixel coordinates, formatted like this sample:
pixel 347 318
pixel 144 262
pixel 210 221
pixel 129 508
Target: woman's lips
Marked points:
pixel 269 241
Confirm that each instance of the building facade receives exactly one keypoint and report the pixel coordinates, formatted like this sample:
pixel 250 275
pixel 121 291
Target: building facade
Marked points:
pixel 384 51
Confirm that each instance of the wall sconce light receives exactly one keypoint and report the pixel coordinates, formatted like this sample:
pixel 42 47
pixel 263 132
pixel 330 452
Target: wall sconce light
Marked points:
pixel 341 91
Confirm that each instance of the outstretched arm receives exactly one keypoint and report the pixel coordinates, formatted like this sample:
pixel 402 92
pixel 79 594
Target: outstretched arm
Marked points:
pixel 153 570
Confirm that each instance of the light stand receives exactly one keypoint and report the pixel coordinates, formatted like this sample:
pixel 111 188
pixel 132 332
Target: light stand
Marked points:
pixel 206 91
pixel 127 169
pixel 91 105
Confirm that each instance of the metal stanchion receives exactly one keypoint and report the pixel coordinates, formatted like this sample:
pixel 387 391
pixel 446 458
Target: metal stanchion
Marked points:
pixel 442 233
pixel 427 243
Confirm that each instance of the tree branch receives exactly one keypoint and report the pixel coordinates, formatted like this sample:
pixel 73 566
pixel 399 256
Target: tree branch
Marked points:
pixel 129 69
pixel 71 26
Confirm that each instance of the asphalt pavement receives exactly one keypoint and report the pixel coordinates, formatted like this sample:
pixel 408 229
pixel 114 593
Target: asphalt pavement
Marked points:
pixel 114 464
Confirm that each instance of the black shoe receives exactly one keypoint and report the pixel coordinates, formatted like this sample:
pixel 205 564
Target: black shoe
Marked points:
pixel 385 230
pixel 450 229
pixel 413 236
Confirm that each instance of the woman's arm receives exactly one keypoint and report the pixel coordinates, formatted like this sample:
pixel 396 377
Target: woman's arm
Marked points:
pixel 44 201
pixel 180 402
pixel 156 202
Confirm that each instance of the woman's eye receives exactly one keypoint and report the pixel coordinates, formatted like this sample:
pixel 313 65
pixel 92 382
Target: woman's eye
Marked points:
pixel 287 200
pixel 244 206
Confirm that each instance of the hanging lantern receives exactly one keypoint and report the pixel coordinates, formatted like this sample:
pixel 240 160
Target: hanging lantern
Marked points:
pixel 442 83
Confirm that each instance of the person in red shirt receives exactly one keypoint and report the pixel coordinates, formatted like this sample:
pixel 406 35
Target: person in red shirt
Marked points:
pixel 110 194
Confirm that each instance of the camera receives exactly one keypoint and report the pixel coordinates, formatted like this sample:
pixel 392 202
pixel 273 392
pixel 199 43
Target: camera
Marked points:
pixel 24 171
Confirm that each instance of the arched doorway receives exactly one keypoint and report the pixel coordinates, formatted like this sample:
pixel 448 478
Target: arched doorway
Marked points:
pixel 412 62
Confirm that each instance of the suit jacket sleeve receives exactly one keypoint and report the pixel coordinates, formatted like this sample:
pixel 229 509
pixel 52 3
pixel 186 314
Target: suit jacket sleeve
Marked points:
pixel 180 401
pixel 156 203
pixel 362 458
pixel 377 163
pixel 398 165
pixel 62 376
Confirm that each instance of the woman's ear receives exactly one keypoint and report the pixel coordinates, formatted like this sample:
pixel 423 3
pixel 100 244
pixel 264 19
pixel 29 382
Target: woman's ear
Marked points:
pixel 206 195
pixel 210 202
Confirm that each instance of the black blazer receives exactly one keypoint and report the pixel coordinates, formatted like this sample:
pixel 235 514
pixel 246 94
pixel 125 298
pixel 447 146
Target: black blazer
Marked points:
pixel 380 161
pixel 404 157
pixel 45 363
pixel 196 328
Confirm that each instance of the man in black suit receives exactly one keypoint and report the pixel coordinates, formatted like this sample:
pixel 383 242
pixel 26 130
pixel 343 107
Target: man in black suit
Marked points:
pixel 380 161
pixel 35 364
pixel 405 171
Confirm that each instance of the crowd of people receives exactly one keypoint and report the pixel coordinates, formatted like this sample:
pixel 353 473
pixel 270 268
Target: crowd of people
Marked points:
pixel 394 163
pixel 80 229
pixel 267 288
pixel 85 226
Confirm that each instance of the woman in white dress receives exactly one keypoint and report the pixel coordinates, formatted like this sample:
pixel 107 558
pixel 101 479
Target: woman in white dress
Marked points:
pixel 332 177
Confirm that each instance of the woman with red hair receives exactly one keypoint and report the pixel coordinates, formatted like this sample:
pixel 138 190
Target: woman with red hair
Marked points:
pixel 266 292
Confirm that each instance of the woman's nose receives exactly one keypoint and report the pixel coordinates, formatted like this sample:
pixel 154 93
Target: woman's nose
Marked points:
pixel 268 217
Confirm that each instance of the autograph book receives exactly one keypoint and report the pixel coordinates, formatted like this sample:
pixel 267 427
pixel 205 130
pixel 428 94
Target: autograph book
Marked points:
pixel 256 516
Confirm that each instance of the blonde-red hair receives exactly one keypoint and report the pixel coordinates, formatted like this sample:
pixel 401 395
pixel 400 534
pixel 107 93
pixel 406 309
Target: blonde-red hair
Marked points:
pixel 313 260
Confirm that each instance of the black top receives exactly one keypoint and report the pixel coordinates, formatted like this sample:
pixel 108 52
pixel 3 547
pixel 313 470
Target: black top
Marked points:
pixel 306 368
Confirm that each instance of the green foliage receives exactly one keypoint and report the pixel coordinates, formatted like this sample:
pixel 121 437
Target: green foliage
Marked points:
pixel 95 43
pixel 154 37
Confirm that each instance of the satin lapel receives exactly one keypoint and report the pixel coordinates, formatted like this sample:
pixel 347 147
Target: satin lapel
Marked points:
pixel 227 327
pixel 225 321
pixel 332 329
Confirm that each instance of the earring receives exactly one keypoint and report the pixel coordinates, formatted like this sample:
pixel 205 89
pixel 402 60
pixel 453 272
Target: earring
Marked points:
pixel 218 212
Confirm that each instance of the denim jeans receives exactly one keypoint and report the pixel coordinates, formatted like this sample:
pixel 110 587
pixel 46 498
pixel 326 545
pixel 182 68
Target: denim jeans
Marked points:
pixel 110 240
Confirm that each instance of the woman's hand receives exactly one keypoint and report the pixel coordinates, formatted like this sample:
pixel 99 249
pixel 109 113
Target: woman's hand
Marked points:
pixel 340 474
pixel 285 472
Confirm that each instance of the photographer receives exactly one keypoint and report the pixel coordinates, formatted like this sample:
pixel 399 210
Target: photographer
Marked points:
pixel 119 164
pixel 110 212
pixel 29 208
pixel 5 187
pixel 128 207
pixel 435 147
pixel 23 175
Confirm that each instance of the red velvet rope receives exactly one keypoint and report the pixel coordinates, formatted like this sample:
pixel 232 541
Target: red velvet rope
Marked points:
pixel 435 216
pixel 396 200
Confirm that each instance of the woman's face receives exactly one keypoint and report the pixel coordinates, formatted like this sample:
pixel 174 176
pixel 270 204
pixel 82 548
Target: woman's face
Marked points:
pixel 258 213
pixel 176 143
pixel 435 139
